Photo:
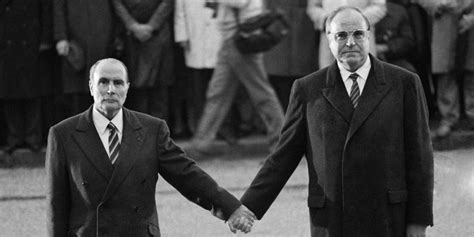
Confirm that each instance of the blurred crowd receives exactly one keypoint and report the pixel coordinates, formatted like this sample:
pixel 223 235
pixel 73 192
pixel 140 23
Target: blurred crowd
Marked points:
pixel 170 48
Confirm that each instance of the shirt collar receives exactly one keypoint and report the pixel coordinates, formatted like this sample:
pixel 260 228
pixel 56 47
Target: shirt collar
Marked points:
pixel 363 71
pixel 101 122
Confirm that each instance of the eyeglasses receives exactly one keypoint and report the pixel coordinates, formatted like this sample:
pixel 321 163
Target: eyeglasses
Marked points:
pixel 358 35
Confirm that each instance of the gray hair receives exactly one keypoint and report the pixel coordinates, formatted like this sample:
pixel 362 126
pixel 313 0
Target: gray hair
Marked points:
pixel 341 9
pixel 109 60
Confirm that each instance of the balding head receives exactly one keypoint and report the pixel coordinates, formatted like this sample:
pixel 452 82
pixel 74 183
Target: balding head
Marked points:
pixel 108 85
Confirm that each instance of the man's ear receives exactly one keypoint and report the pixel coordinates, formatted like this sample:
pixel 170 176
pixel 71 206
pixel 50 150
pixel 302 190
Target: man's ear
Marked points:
pixel 90 87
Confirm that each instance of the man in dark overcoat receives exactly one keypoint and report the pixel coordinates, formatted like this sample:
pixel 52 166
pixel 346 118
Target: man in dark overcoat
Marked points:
pixel 102 167
pixel 25 33
pixel 362 125
pixel 148 52
pixel 89 26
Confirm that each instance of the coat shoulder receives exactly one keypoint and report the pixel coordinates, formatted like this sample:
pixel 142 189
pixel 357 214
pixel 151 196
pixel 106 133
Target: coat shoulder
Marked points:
pixel 398 74
pixel 315 79
pixel 68 123
pixel 147 120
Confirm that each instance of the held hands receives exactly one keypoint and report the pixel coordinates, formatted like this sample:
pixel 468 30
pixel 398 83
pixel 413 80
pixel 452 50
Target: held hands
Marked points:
pixel 242 219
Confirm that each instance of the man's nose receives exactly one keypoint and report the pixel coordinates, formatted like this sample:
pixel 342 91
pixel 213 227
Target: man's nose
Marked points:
pixel 350 40
pixel 111 88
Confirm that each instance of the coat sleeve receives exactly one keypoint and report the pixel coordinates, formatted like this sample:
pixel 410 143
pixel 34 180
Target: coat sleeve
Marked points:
pixel 403 43
pixel 180 22
pixel 57 193
pixel 418 155
pixel 190 180
pixel 123 13
pixel 280 165
pixel 59 20
pixel 162 14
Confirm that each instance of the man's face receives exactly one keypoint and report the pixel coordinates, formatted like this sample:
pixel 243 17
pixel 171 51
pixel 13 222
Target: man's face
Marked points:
pixel 109 87
pixel 349 39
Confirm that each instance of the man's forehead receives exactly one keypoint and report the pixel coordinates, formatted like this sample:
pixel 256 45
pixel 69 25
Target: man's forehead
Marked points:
pixel 107 69
pixel 348 19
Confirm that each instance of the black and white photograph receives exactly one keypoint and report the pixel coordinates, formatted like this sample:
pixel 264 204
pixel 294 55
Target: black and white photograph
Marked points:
pixel 214 118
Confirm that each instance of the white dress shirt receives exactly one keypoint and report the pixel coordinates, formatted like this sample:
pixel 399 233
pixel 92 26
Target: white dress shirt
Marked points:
pixel 101 122
pixel 363 73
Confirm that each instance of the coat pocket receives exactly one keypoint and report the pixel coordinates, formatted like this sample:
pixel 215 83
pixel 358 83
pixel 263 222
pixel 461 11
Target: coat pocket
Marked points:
pixel 316 201
pixel 397 196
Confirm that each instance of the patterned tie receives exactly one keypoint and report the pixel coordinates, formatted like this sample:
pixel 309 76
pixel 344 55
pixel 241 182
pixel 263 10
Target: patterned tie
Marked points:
pixel 355 93
pixel 114 143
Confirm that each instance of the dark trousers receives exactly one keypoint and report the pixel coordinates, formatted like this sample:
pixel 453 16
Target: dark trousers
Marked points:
pixel 23 118
pixel 152 101
pixel 196 95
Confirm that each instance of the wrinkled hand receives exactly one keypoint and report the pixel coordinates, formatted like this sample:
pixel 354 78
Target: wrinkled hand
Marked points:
pixel 242 219
pixel 62 47
pixel 416 230
pixel 142 32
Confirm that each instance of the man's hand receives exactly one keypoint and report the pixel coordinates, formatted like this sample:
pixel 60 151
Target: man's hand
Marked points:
pixel 142 32
pixel 62 47
pixel 416 230
pixel 242 219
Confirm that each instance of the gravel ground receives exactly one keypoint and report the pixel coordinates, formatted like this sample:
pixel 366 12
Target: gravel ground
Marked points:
pixel 22 200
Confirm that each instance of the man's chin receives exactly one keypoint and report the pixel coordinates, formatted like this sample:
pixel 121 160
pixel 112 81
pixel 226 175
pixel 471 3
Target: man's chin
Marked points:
pixel 352 62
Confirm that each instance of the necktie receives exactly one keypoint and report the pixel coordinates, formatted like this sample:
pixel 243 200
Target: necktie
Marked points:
pixel 355 93
pixel 114 143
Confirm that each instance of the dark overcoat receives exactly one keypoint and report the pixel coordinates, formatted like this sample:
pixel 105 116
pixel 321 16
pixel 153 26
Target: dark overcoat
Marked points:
pixel 90 23
pixel 24 25
pixel 297 53
pixel 151 62
pixel 370 168
pixel 87 196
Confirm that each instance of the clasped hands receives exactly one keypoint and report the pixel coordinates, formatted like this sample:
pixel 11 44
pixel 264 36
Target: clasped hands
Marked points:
pixel 241 219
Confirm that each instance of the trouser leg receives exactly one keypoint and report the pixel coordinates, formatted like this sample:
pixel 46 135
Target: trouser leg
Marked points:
pixel 14 117
pixel 448 98
pixel 198 82
pixel 33 121
pixel 250 71
pixel 219 97
pixel 469 95
pixel 158 97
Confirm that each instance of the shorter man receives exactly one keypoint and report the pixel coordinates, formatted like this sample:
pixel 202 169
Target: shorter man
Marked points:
pixel 103 164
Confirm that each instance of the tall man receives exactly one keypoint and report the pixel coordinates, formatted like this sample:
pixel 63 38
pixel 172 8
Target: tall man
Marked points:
pixel 362 125
pixel 103 164
pixel 84 32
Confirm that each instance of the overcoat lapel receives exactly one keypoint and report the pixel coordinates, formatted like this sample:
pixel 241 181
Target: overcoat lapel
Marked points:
pixel 89 141
pixel 374 91
pixel 132 140
pixel 336 93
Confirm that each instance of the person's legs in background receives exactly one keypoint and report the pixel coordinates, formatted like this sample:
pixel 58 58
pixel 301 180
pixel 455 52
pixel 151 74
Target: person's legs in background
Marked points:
pixel 251 73
pixel 469 97
pixel 219 97
pixel 23 118
pixel 448 103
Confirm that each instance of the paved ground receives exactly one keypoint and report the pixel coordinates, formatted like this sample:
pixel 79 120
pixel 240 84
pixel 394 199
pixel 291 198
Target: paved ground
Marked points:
pixel 22 200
